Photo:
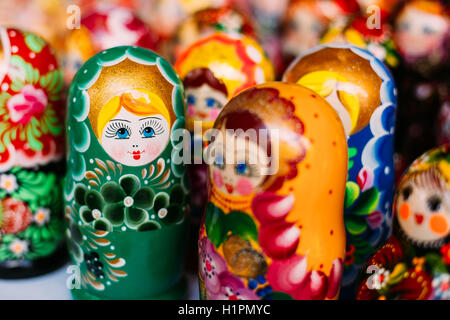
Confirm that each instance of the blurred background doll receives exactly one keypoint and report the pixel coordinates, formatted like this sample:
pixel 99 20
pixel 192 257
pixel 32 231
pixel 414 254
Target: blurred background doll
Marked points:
pixel 422 30
pixel 368 29
pixel 268 15
pixel 205 22
pixel 104 26
pixel 414 263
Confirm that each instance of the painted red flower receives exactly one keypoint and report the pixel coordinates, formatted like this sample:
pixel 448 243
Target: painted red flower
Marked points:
pixel 292 276
pixel 269 207
pixel 29 102
pixel 445 251
pixel 15 216
pixel 279 240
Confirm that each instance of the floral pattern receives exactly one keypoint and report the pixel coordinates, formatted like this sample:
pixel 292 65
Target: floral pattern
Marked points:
pixel 31 110
pixel 98 267
pixel 119 212
pixel 287 275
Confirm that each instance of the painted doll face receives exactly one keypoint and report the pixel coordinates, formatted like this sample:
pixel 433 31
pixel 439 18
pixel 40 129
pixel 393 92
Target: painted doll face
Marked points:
pixel 419 33
pixel 423 212
pixel 134 140
pixel 205 103
pixel 303 32
pixel 238 170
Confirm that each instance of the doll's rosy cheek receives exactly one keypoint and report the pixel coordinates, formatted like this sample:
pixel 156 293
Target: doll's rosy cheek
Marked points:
pixel 217 177
pixel 405 211
pixel 153 149
pixel 244 186
pixel 191 110
pixel 439 224
pixel 213 114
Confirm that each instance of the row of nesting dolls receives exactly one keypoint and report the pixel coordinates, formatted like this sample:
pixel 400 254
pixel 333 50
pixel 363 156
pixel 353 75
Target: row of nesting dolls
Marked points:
pixel 416 30
pixel 410 36
pixel 34 84
pixel 294 211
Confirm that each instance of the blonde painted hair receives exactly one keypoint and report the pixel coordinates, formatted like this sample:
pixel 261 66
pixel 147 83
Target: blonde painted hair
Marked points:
pixel 324 82
pixel 139 102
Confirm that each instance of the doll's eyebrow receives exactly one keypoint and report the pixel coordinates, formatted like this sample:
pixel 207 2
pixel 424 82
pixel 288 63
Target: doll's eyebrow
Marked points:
pixel 157 118
pixel 120 120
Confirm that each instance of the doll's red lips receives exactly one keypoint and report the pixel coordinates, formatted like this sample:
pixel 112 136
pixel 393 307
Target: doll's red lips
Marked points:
pixel 229 188
pixel 136 154
pixel 419 218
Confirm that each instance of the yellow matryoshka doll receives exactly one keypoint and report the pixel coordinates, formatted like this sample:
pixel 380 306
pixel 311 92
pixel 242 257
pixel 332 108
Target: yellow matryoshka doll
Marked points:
pixel 273 227
pixel 213 70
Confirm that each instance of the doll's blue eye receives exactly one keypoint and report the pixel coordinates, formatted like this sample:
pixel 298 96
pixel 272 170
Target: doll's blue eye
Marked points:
pixel 241 168
pixel 427 30
pixel 404 26
pixel 122 133
pixel 210 102
pixel 148 132
pixel 191 99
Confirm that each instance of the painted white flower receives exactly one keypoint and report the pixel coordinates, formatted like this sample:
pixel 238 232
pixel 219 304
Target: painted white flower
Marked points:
pixel 8 182
pixel 42 216
pixel 19 247
pixel 441 287
pixel 380 279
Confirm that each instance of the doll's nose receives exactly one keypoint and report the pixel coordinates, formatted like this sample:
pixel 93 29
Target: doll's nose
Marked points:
pixel 135 145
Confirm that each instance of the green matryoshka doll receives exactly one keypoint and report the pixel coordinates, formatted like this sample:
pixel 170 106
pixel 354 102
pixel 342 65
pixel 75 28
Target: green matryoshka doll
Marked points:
pixel 125 189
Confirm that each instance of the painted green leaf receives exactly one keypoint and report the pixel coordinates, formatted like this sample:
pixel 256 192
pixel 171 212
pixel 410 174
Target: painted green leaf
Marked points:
pixel 215 226
pixel 355 225
pixel 351 193
pixel 241 224
pixel 366 203
pixel 34 42
pixel 277 295
pixel 434 260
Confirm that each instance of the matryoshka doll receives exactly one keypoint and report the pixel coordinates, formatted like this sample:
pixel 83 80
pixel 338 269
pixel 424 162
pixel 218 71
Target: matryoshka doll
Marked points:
pixel 208 21
pixel 214 69
pixel 104 26
pixel 167 15
pixel 125 190
pixel 273 226
pixel 414 264
pixel 304 23
pixel 422 35
pixel 31 156
pixel 362 91
pixel 369 30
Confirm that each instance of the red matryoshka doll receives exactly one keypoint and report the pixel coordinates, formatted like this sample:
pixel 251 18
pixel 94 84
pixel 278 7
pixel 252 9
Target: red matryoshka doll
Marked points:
pixel 208 21
pixel 369 30
pixel 422 31
pixel 104 26
pixel 273 226
pixel 213 70
pixel 414 264
pixel 31 156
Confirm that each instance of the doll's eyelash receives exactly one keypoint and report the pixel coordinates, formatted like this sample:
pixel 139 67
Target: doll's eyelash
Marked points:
pixel 154 124
pixel 112 127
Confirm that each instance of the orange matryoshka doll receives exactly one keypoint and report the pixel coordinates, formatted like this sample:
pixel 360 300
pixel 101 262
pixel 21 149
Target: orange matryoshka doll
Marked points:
pixel 273 227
